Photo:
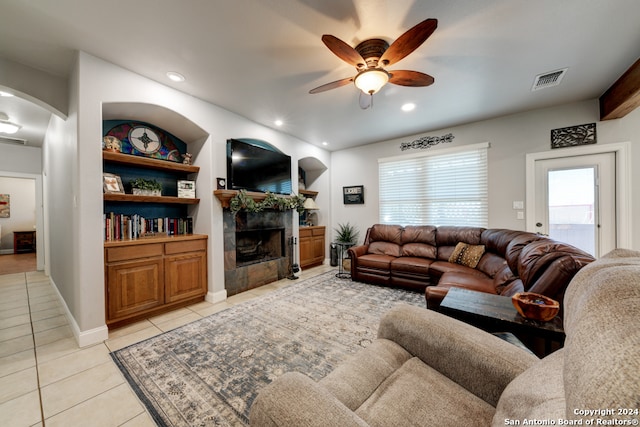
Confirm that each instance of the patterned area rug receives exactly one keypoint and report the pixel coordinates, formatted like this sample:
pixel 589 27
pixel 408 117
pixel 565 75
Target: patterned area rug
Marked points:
pixel 208 373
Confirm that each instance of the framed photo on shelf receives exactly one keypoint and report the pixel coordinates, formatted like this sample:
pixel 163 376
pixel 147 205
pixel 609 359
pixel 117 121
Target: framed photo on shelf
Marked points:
pixel 187 189
pixel 353 195
pixel 112 183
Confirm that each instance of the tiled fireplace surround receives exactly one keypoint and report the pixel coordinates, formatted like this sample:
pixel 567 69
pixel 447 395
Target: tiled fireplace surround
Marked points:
pixel 256 248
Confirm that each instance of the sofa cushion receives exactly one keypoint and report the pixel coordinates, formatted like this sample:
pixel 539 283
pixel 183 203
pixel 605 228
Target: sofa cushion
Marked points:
pixel 419 234
pixel 516 244
pixel 441 267
pixel 411 265
pixel 467 281
pixel 385 233
pixel 376 261
pixel 503 278
pixel 492 264
pixel 551 263
pixel 433 399
pixel 354 380
pixel 511 288
pixel 385 248
pixel 466 254
pixel 421 250
pixel 536 394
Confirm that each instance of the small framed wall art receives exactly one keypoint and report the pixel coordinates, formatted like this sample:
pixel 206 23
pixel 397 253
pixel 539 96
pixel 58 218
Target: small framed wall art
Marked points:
pixel 353 195
pixel 112 183
pixel 187 189
pixel 5 206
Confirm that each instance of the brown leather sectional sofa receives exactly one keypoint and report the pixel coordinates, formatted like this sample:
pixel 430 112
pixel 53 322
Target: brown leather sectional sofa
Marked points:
pixel 496 261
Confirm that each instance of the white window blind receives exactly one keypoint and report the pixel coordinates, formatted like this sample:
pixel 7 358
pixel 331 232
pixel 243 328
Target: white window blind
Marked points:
pixel 436 189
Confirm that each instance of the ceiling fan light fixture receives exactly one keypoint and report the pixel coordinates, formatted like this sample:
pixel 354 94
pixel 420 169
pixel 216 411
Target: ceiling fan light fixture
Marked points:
pixel 371 81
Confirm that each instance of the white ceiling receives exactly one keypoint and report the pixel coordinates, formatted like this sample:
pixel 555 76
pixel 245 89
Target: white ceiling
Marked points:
pixel 259 58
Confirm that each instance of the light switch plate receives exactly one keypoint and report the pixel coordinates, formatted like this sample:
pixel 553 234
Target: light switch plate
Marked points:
pixel 518 204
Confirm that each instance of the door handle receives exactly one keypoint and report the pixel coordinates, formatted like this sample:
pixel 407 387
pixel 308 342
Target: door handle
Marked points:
pixel 538 224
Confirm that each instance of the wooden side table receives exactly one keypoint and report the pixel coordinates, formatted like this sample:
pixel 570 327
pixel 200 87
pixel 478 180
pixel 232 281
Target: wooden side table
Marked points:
pixel 496 313
pixel 24 241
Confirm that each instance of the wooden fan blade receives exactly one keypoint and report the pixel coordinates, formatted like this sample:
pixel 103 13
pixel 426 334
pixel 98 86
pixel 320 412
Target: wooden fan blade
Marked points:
pixel 343 51
pixel 408 42
pixel 410 78
pixel 332 85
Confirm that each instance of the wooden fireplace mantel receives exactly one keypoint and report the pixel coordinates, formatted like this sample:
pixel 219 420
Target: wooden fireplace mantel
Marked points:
pixel 226 195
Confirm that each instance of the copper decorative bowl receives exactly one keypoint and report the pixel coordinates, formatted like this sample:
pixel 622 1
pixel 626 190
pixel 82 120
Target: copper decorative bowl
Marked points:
pixel 535 306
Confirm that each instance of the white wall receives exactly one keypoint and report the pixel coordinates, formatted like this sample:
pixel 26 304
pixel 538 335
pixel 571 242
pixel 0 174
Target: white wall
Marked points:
pixel 22 159
pixel 511 138
pixel 101 82
pixel 22 192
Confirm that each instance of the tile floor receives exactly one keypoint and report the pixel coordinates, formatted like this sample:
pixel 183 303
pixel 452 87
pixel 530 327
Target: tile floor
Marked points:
pixel 46 379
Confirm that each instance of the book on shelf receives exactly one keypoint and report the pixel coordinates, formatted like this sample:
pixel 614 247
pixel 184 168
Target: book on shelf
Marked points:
pixel 131 227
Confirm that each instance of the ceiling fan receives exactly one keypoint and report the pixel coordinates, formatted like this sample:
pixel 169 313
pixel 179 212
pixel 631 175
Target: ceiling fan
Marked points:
pixel 371 56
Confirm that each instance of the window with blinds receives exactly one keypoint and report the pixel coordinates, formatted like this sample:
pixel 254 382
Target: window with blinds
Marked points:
pixel 442 188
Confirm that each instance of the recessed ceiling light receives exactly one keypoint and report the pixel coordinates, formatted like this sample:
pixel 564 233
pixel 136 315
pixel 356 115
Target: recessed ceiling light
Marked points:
pixel 278 122
pixel 7 94
pixel 410 106
pixel 325 143
pixel 176 77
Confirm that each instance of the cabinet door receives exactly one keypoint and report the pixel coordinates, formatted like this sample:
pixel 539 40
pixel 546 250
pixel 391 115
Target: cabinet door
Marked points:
pixel 134 287
pixel 306 250
pixel 185 276
pixel 318 249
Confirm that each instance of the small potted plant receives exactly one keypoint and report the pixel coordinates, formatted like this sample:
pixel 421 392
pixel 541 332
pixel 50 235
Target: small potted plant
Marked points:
pixel 146 187
pixel 348 235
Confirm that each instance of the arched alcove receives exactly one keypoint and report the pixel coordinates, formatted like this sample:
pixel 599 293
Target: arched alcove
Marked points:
pixel 313 168
pixel 163 117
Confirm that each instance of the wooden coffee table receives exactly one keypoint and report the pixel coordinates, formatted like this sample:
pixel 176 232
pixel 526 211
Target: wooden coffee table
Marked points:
pixel 496 313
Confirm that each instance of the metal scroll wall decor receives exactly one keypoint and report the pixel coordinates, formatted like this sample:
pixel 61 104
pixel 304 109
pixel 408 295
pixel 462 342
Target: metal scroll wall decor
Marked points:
pixel 427 142
pixel 573 135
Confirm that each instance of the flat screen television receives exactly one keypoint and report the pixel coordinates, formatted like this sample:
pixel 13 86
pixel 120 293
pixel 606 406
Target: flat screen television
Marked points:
pixel 254 165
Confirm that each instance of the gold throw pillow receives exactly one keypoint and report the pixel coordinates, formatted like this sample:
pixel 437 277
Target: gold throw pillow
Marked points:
pixel 466 254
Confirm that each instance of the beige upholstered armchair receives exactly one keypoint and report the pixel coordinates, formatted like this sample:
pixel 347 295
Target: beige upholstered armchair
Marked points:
pixel 427 369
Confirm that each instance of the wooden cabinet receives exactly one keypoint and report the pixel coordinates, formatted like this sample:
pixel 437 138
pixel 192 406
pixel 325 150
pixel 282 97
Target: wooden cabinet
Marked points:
pixel 311 246
pixel 149 276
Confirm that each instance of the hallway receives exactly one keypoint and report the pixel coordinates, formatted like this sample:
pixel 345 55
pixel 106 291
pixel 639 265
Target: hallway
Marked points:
pixel 17 263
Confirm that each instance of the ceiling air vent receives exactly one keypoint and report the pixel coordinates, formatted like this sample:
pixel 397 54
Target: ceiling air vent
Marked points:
pixel 550 79
pixel 10 140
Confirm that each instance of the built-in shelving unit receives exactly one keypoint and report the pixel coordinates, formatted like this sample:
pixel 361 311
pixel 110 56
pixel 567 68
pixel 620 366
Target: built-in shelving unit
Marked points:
pixel 151 274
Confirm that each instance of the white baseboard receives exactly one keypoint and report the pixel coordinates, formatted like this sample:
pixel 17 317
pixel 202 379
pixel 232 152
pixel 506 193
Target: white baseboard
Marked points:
pixel 83 338
pixel 6 251
pixel 214 297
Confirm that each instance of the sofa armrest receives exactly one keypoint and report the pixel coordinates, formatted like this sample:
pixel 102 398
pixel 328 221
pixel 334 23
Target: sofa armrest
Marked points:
pixel 296 400
pixel 357 251
pixel 434 296
pixel 480 362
